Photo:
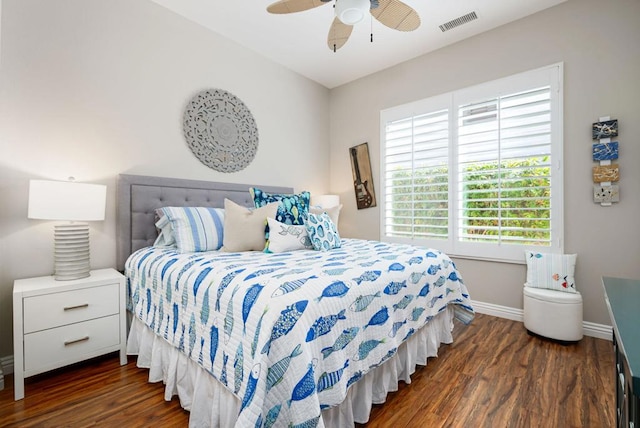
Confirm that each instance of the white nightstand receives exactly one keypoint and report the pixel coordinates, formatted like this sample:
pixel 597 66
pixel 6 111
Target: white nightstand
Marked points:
pixel 57 323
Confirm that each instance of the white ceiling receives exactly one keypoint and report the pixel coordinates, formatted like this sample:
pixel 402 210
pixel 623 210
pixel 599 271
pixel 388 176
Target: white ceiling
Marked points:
pixel 299 40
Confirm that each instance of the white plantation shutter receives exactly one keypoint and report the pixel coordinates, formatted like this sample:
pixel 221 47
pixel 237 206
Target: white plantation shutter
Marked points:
pixel 504 148
pixel 477 172
pixel 416 176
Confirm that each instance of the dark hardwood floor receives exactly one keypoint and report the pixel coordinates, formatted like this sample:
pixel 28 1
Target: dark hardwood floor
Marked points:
pixel 494 375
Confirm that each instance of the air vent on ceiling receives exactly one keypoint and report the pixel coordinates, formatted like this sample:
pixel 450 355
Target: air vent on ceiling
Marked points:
pixel 458 21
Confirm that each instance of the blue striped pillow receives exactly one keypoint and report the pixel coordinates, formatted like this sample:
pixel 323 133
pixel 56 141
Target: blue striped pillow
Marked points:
pixel 165 236
pixel 196 228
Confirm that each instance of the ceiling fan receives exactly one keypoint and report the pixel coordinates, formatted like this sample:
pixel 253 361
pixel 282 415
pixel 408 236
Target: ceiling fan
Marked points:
pixel 392 13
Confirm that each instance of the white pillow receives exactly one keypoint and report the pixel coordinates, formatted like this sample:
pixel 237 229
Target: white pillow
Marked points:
pixel 552 271
pixel 166 237
pixel 244 229
pixel 196 228
pixel 334 213
pixel 285 237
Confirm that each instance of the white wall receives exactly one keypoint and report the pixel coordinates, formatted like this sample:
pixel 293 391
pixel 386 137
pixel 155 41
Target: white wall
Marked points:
pixel 598 44
pixel 95 88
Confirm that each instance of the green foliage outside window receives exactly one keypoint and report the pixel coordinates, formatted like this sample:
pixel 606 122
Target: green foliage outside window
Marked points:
pixel 511 202
pixel 420 202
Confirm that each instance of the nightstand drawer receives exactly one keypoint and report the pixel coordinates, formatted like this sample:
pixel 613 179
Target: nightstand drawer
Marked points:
pixel 49 348
pixel 58 309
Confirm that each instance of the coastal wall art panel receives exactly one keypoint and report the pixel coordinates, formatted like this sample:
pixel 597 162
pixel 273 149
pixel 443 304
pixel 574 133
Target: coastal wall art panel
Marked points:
pixel 606 194
pixel 606 173
pixel 605 151
pixel 604 129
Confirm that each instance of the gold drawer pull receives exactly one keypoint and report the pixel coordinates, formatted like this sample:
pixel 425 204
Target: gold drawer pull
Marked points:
pixel 69 308
pixel 71 342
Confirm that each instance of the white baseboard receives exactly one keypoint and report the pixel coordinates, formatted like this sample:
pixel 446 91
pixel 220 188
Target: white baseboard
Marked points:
pixel 498 311
pixel 600 331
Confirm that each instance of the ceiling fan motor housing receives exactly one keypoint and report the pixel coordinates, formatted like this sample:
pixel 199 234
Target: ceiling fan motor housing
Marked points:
pixel 350 12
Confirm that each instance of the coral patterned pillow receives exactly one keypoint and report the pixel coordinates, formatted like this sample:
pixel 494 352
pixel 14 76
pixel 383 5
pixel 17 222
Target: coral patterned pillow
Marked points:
pixel 552 271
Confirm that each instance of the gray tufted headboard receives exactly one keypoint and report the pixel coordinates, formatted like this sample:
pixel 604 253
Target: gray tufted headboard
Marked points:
pixel 139 196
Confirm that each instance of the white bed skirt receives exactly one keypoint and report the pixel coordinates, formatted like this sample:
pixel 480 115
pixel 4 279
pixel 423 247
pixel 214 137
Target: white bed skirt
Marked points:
pixel 212 405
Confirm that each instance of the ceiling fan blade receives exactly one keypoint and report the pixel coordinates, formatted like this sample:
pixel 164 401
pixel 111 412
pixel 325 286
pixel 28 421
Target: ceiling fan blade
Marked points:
pixel 397 15
pixel 338 34
pixel 290 6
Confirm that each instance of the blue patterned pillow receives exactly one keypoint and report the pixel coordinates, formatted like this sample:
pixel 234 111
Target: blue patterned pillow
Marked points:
pixel 292 209
pixel 323 233
pixel 196 228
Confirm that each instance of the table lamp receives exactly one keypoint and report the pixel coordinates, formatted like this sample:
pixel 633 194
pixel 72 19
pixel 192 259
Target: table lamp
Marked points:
pixel 326 201
pixel 76 203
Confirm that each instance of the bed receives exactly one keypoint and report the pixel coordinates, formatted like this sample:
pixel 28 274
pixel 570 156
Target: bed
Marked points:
pixel 300 338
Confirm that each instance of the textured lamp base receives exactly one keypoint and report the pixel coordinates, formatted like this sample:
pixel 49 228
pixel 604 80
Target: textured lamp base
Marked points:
pixel 71 255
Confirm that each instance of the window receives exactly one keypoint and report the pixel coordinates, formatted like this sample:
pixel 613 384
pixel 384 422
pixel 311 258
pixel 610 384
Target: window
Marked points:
pixel 477 172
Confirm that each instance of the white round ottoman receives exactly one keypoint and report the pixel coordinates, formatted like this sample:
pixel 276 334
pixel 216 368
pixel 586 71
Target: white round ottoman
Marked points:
pixel 553 314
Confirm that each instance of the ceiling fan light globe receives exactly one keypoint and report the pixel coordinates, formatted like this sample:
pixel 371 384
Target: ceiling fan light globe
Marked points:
pixel 350 12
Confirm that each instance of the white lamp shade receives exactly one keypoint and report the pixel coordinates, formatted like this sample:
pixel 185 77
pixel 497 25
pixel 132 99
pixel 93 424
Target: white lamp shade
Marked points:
pixel 350 12
pixel 326 201
pixel 75 202
pixel 63 200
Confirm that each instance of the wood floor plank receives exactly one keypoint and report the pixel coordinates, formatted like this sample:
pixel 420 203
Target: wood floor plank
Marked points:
pixel 493 375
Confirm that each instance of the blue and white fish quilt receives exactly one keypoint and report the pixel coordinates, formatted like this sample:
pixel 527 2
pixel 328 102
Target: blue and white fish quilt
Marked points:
pixel 289 333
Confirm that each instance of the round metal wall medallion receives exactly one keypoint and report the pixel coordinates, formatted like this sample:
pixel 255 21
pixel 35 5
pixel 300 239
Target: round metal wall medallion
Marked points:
pixel 220 130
